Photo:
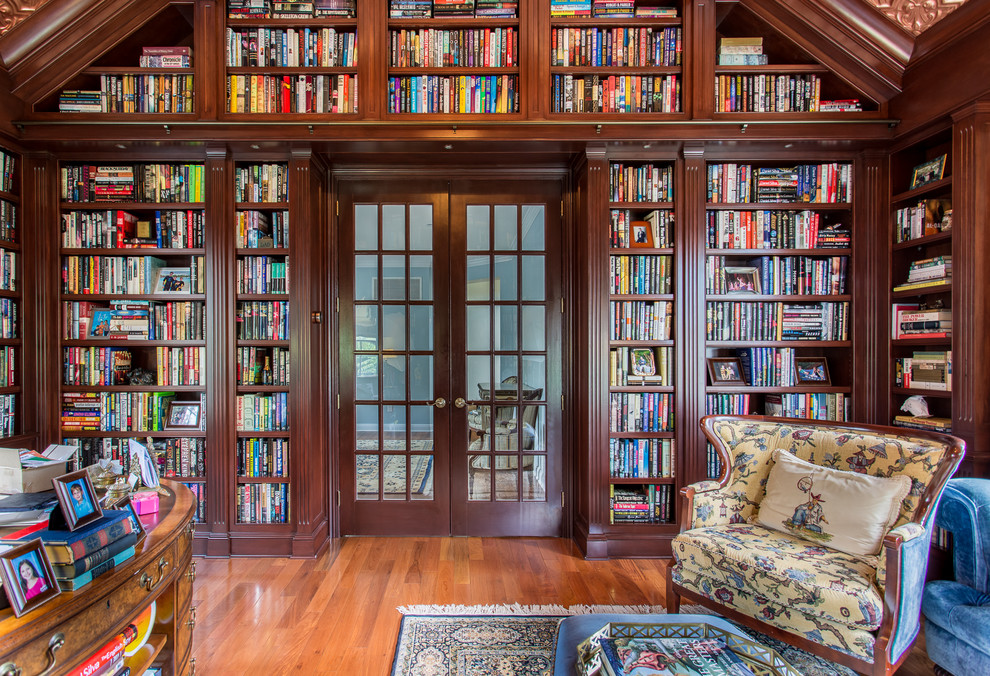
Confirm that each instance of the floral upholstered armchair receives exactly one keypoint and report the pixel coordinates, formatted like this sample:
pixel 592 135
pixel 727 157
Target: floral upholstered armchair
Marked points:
pixel 817 533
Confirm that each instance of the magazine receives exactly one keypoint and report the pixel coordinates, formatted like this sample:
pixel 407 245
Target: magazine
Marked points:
pixel 670 657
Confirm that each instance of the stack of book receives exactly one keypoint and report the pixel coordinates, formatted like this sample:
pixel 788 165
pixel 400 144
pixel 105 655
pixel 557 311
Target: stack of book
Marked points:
pixel 570 8
pixel 654 12
pixel 83 554
pixel 639 504
pixel 292 10
pixel 496 8
pixel 403 9
pixel 741 52
pixel 80 101
pixel 927 272
pixel 840 106
pixel 917 422
pixel 165 57
pixel 109 660
pixel 113 183
pixel 452 8
pixel 925 371
pixel 346 9
pixel 249 9
pixel 835 236
pixel 615 9
pixel 775 184
pixel 910 322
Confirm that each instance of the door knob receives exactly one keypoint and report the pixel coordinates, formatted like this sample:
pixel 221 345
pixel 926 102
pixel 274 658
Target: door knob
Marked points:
pixel 440 402
pixel 459 402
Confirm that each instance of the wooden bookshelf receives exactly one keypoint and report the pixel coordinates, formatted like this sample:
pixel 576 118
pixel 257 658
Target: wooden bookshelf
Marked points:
pixel 11 297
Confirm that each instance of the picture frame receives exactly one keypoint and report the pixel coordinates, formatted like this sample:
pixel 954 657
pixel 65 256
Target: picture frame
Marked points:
pixel 183 415
pixel 742 280
pixel 725 370
pixel 928 172
pixel 643 361
pixel 77 498
pixel 173 281
pixel 28 577
pixel 811 371
pixel 138 527
pixel 641 235
pixel 99 324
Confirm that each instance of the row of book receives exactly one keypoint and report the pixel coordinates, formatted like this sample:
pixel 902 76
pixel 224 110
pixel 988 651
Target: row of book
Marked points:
pixel 927 272
pixel 291 48
pixel 615 93
pixel 931 423
pixel 269 9
pixel 773 229
pixel 401 9
pixel 109 366
pixel 262 320
pixel 89 274
pixel 927 217
pixel 713 463
pixel 641 183
pixel 262 457
pixel 263 366
pixel 733 183
pixel 774 321
pixel 645 46
pixel 781 275
pixel 767 93
pixel 137 93
pixel 454 47
pixel 641 504
pixel 925 370
pixel 184 456
pixel 659 221
pixel 8 415
pixel 808 405
pixel 263 274
pixel 8 366
pixel 8 164
pixel 9 318
pixel 910 321
pixel 8 270
pixel 728 404
pixel 646 458
pixel 8 221
pixel 115 411
pixel 641 274
pixel 93 449
pixel 641 320
pixel 199 492
pixel 136 320
pixel 118 229
pixel 482 94
pixel 641 412
pixel 262 229
pixel 261 183
pixel 262 503
pixel 132 183
pixel 641 366
pixel 302 93
pixel 263 412
pixel 768 366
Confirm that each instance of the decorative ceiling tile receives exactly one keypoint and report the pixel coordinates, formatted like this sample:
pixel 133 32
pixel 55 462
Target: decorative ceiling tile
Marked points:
pixel 12 12
pixel 916 15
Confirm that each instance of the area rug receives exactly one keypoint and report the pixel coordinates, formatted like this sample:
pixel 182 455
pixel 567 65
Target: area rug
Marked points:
pixel 520 640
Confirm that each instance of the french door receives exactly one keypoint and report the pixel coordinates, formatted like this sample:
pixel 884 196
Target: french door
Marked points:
pixel 450 357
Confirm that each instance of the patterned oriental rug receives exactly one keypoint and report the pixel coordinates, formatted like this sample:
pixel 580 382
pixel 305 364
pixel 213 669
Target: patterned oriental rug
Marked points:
pixel 520 640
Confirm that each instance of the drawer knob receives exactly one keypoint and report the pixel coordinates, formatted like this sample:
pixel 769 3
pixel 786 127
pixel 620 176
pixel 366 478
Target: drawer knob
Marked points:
pixel 9 669
pixel 146 580
pixel 54 643
pixel 191 573
pixel 191 622
pixel 192 667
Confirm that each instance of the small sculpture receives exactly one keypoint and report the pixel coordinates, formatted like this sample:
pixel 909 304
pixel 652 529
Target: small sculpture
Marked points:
pixel 140 376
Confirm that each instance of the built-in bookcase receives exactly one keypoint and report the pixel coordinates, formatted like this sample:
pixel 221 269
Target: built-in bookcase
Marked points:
pixel 291 63
pixel 617 63
pixel 133 313
pixel 454 64
pixel 921 315
pixel 11 295
pixel 642 440
pixel 262 360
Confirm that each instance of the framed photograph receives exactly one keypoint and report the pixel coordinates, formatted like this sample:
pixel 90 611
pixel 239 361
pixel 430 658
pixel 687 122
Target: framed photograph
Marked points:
pixel 811 371
pixel 725 371
pixel 928 172
pixel 126 504
pixel 742 280
pixel 77 498
pixel 99 324
pixel 183 415
pixel 643 361
pixel 28 577
pixel 173 280
pixel 143 459
pixel 641 235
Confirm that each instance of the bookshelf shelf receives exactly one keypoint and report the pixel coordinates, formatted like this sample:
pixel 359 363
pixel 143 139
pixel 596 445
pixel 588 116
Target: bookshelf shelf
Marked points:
pixel 780 343
pixel 126 434
pixel 918 243
pixel 643 435
pixel 134 388
pixel 640 480
pixel 775 390
pixel 640 388
pixel 912 391
pixel 315 22
pixel 752 297
pixel 778 206
pixel 262 480
pixel 133 251
pixel 945 287
pixel 634 22
pixel 10 197
pixel 160 297
pixel 748 253
pixel 15 285
pixel 452 22
pixel 918 342
pixel 914 194
pixel 289 70
pixel 774 68
pixel 618 70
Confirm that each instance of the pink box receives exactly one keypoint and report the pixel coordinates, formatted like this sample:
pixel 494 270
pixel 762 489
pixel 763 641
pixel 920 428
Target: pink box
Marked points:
pixel 145 502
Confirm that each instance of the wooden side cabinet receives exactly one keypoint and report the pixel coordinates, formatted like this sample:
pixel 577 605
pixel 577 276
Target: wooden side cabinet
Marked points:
pixel 59 636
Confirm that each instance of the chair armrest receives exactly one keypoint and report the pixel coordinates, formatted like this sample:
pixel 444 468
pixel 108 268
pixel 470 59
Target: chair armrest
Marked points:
pixel 901 575
pixel 703 504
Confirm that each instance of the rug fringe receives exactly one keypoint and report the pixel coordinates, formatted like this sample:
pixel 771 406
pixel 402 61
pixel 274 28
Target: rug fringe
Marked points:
pixel 519 609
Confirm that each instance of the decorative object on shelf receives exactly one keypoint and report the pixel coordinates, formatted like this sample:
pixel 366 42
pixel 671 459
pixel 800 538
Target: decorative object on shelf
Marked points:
pixel 140 376
pixel 173 280
pixel 136 526
pixel 725 370
pixel 28 577
pixel 812 371
pixel 141 456
pixel 916 406
pixel 643 363
pixel 744 279
pixel 928 172
pixel 642 235
pixel 183 415
pixel 117 492
pixel 76 499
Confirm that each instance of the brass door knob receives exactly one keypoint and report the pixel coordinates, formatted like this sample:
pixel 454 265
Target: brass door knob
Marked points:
pixel 440 402
pixel 460 402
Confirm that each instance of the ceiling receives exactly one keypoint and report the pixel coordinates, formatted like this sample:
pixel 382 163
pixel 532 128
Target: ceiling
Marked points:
pixel 913 15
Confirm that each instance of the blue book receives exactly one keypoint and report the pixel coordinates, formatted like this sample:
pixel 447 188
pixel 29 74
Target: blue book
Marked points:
pixel 71 584
pixel 64 546
pixel 91 561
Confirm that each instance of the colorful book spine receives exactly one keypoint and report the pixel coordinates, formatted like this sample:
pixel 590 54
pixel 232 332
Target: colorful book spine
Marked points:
pixel 83 579
pixel 97 558
pixel 69 546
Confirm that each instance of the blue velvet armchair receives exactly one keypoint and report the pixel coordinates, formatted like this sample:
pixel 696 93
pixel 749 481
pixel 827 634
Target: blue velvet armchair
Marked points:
pixel 957 612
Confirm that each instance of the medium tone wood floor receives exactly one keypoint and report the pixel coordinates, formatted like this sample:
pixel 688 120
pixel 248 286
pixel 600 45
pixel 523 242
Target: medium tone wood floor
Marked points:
pixel 337 614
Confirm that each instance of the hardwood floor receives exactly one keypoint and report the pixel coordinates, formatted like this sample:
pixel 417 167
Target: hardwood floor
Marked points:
pixel 337 614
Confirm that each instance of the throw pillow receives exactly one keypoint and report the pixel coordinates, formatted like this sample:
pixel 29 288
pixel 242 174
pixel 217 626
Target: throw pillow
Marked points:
pixel 846 511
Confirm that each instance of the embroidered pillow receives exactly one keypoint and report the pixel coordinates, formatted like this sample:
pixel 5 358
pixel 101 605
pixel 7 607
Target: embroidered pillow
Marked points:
pixel 846 511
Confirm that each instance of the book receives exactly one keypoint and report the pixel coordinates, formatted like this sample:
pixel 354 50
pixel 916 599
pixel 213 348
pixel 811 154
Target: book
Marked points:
pixel 84 578
pixel 65 546
pixel 91 561
pixel 670 657
pixel 106 655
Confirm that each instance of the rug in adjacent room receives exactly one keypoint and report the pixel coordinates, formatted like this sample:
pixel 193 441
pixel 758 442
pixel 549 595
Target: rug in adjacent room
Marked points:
pixel 520 640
